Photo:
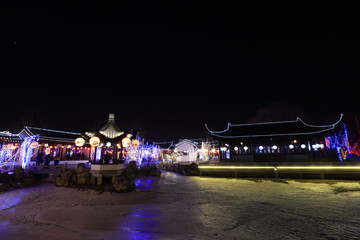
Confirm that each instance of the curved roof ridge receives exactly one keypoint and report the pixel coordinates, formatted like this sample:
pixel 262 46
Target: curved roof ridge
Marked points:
pixel 271 135
pixel 52 130
pixel 329 125
pixel 28 130
pixel 279 128
pixel 221 131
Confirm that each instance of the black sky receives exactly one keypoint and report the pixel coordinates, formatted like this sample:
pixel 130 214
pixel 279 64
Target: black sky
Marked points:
pixel 169 68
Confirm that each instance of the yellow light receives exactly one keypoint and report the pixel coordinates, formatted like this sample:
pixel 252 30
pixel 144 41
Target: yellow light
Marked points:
pixel 79 142
pixel 135 143
pixel 236 167
pixel 281 167
pixel 94 141
pixel 319 167
pixel 126 142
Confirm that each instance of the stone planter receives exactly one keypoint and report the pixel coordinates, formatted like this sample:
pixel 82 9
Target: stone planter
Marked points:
pixel 99 171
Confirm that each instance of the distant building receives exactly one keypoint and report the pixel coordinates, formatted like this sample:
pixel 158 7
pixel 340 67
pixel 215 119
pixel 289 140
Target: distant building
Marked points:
pixel 280 141
pixel 166 151
pixel 195 150
pixel 185 151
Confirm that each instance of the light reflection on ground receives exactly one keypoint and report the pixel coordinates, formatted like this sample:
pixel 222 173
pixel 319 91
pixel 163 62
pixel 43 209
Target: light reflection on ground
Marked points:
pixel 144 184
pixel 10 199
pixel 140 223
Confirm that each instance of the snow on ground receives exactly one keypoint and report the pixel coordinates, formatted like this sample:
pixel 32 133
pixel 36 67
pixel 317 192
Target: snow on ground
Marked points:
pixel 186 207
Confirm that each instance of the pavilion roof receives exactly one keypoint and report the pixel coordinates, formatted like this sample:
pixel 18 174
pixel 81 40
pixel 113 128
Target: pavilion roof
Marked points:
pixel 274 129
pixel 111 130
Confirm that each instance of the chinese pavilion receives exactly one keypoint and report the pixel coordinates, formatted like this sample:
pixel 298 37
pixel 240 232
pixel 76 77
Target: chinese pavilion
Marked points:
pixel 109 139
pixel 282 141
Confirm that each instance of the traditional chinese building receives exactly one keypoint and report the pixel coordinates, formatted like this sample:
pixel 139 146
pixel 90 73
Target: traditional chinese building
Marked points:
pixel 9 146
pixel 7 137
pixel 282 141
pixel 57 143
pixel 110 140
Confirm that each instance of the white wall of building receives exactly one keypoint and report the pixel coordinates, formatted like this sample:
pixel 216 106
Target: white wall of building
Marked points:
pixel 186 151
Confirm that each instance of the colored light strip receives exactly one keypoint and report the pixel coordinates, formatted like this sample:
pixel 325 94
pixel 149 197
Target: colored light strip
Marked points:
pixel 318 167
pixel 236 167
pixel 280 167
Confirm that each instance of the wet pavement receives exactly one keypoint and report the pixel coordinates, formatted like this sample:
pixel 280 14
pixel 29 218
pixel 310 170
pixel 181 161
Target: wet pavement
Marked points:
pixel 174 206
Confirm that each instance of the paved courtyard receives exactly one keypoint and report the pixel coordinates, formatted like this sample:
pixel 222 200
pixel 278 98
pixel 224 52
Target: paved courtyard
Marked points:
pixel 186 207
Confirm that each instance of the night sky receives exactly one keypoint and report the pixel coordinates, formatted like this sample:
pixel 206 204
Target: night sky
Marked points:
pixel 167 69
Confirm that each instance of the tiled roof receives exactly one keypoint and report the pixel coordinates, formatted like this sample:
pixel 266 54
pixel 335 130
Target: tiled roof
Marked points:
pixel 50 134
pixel 9 137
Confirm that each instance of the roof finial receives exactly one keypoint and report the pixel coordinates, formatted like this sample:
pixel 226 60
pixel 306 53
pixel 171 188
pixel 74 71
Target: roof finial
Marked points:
pixel 111 116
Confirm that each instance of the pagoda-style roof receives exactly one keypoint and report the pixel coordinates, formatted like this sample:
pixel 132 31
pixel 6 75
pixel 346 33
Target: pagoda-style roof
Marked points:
pixel 111 130
pixel 49 134
pixel 274 129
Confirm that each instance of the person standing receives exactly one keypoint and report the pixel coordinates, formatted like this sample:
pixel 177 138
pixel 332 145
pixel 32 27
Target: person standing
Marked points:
pixel 107 157
pixel 48 158
pixel 39 159
pixel 57 160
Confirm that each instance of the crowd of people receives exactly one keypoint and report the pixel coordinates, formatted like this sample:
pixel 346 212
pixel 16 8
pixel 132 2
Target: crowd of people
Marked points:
pixel 45 159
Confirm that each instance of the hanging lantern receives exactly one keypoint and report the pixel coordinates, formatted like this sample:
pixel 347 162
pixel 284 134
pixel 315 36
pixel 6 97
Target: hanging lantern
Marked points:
pixel 126 142
pixel 47 151
pixel 34 144
pixel 135 143
pixel 79 142
pixel 94 141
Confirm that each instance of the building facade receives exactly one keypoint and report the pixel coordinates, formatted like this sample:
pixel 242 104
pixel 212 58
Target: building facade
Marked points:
pixel 57 143
pixel 282 141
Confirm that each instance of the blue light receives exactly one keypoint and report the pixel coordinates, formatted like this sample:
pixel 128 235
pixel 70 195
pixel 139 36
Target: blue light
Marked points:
pixel 339 141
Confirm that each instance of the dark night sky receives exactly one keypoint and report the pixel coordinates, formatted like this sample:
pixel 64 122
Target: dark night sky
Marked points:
pixel 167 69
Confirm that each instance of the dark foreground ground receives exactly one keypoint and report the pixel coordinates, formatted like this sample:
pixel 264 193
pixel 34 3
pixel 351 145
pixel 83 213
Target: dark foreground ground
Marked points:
pixel 174 206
